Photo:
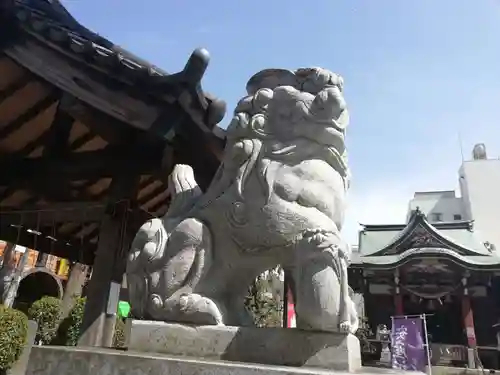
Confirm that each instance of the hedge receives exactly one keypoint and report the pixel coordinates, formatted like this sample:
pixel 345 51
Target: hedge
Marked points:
pixel 47 313
pixel 70 329
pixel 13 332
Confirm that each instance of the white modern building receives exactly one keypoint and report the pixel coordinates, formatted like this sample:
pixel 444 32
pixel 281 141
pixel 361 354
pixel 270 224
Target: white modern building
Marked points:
pixel 478 199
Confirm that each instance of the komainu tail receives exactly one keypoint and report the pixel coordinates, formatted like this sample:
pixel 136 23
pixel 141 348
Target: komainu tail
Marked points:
pixel 149 244
pixel 184 191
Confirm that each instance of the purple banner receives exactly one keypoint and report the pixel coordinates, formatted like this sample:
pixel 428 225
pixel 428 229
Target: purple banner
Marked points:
pixel 407 344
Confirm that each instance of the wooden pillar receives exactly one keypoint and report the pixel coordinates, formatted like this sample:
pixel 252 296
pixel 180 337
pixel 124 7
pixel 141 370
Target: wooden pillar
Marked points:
pixel 398 297
pixel 99 313
pixel 467 315
pixel 98 289
pixel 118 271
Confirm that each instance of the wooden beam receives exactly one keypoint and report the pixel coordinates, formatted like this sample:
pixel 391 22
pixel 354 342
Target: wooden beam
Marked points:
pixel 109 128
pixel 57 147
pixel 168 122
pixel 81 141
pixel 63 247
pixel 82 165
pixel 75 212
pixel 33 145
pixel 86 85
pixel 30 114
pixel 57 140
pixel 15 86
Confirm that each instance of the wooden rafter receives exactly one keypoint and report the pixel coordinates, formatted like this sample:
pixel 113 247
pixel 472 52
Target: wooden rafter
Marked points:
pixel 57 143
pixel 30 114
pixel 81 165
pixel 33 145
pixel 15 86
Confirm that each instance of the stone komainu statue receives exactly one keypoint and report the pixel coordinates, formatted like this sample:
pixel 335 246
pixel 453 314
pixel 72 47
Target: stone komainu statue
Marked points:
pixel 277 198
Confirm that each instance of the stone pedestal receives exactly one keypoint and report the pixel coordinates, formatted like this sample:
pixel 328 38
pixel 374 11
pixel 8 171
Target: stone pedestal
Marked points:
pixel 269 346
pixel 21 364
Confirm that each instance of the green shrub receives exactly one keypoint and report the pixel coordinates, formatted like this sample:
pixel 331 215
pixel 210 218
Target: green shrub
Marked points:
pixel 13 332
pixel 264 309
pixel 69 330
pixel 47 313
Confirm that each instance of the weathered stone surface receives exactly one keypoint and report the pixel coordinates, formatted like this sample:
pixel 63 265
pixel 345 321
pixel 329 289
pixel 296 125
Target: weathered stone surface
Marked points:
pixel 278 198
pixel 82 361
pixel 273 346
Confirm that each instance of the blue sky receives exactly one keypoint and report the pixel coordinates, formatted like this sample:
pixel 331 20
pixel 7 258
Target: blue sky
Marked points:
pixel 417 73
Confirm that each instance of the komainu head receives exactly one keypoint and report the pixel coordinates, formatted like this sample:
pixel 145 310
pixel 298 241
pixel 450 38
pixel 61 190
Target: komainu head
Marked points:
pixel 295 109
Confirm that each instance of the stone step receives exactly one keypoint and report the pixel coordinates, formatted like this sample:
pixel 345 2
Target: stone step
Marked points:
pixel 47 360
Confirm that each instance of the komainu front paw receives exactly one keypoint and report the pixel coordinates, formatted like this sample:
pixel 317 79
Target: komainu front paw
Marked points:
pixel 192 308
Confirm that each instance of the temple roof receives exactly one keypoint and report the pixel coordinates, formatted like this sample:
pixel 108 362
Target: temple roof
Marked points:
pixel 392 245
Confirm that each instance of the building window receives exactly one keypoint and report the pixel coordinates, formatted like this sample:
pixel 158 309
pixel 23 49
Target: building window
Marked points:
pixel 457 217
pixel 437 216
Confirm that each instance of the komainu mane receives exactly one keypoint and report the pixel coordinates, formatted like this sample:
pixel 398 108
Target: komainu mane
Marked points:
pixel 277 198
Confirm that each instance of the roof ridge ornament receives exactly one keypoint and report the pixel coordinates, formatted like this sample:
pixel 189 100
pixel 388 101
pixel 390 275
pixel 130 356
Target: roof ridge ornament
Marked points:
pixel 419 212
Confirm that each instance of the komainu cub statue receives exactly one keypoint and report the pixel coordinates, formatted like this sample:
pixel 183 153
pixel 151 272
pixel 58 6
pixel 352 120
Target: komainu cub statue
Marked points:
pixel 277 198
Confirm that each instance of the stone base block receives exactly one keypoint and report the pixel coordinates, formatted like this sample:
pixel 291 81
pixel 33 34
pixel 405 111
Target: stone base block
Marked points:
pixel 46 360
pixel 271 346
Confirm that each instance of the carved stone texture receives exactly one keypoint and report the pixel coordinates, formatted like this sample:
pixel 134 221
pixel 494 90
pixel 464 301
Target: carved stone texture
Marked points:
pixel 277 198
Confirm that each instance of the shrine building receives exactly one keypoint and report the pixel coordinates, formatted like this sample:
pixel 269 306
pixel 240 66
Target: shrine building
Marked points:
pixel 438 263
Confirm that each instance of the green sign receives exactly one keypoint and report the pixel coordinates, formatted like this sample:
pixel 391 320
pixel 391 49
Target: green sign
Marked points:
pixel 123 309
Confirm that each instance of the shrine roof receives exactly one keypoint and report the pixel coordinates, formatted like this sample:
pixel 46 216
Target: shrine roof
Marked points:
pixel 391 245
pixel 78 112
pixel 49 23
pixel 475 262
